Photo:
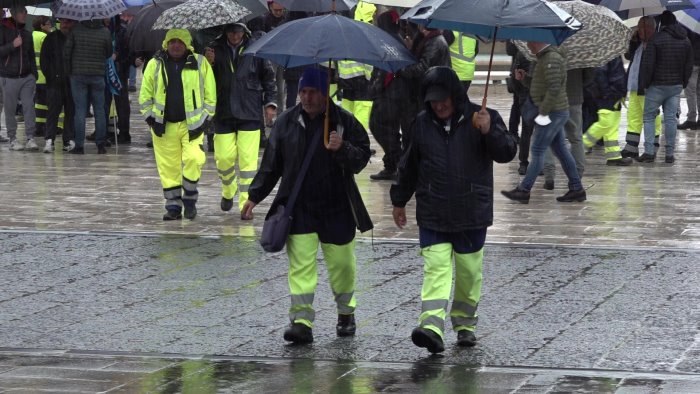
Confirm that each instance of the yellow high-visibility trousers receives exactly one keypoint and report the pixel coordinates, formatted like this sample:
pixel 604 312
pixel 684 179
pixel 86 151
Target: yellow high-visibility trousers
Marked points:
pixel 635 124
pixel 244 146
pixel 608 128
pixel 179 162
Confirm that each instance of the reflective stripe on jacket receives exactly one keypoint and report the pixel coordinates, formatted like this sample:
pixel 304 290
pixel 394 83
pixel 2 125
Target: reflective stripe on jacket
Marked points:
pixel 463 53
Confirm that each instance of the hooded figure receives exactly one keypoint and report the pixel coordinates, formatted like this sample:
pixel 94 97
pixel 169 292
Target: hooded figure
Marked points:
pixel 178 98
pixel 449 167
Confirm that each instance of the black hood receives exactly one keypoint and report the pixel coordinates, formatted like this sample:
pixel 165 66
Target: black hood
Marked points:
pixel 676 31
pixel 446 78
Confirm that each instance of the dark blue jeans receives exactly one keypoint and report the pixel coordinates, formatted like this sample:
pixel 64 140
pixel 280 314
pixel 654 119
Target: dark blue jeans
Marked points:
pixel 89 89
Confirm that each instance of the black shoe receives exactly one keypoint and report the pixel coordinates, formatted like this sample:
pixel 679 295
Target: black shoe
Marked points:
pixel 108 143
pixel 190 212
pixel 172 214
pixel 346 326
pixel 687 125
pixel 423 337
pixel 623 162
pixel 549 185
pixel 466 338
pixel 522 169
pixel 90 137
pixel 226 204
pixel 573 195
pixel 78 150
pixel 384 175
pixel 101 150
pixel 626 153
pixel 298 333
pixel 124 138
pixel 517 194
pixel 646 158
pixel 670 159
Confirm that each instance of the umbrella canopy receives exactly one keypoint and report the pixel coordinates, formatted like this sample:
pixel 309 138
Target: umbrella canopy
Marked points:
pixel 317 5
pixel 528 20
pixel 85 10
pixel 201 14
pixel 603 37
pixel 11 3
pixel 141 39
pixel 621 5
pixel 322 38
pixel 690 18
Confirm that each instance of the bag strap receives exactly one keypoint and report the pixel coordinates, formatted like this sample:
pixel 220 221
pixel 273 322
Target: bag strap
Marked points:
pixel 302 173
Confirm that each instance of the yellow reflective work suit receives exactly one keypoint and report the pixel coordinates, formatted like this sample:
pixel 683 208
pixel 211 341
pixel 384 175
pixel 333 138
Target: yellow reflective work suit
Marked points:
pixel 41 107
pixel 635 111
pixel 178 151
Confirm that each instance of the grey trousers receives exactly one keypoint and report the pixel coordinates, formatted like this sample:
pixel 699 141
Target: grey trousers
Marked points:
pixel 14 90
pixel 691 94
pixel 574 134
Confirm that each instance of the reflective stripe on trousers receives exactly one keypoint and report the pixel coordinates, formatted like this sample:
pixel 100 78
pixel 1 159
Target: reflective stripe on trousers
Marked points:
pixel 302 250
pixel 243 145
pixel 437 287
pixel 179 160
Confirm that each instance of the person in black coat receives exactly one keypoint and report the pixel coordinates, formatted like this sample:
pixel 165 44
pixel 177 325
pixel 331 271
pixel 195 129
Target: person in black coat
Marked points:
pixel 328 208
pixel 449 167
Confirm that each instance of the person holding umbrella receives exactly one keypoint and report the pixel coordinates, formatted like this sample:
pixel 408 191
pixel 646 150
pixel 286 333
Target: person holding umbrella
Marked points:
pixel 178 99
pixel 244 86
pixel 449 166
pixel 328 206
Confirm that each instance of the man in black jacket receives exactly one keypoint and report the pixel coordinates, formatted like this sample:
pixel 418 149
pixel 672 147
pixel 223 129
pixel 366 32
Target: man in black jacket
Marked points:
pixel 667 64
pixel 328 208
pixel 244 85
pixel 449 166
pixel 18 76
pixel 58 85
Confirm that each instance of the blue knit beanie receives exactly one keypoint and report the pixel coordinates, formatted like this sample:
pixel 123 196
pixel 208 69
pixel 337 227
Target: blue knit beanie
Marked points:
pixel 316 78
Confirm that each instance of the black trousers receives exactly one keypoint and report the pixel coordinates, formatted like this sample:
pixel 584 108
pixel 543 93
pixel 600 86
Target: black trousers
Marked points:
pixel 60 99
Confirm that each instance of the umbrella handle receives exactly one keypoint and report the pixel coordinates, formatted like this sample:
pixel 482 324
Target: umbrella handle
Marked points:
pixel 488 75
pixel 327 119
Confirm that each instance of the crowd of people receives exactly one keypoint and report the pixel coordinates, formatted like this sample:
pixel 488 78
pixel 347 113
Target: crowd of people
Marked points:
pixel 438 146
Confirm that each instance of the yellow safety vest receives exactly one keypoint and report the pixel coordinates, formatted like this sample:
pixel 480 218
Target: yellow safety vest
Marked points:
pixel 198 85
pixel 364 12
pixel 463 54
pixel 348 69
pixel 38 38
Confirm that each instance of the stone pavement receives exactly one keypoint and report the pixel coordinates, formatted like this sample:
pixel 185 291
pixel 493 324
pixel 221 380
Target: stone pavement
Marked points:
pixel 99 294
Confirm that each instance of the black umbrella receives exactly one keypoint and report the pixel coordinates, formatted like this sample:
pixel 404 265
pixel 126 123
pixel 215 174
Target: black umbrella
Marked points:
pixel 11 3
pixel 143 40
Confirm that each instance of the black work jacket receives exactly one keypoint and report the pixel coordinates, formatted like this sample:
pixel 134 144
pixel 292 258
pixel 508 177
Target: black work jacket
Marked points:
pixel 284 156
pixel 451 173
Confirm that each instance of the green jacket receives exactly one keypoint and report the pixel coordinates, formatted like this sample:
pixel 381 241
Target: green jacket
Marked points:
pixel 87 48
pixel 548 85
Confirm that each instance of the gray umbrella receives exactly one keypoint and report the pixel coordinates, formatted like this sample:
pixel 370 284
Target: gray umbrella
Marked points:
pixel 84 10
pixel 603 37
pixel 200 14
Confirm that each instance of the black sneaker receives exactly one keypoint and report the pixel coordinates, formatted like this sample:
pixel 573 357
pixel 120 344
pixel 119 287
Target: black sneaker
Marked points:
pixel 298 333
pixel 646 158
pixel 101 150
pixel 466 338
pixel 573 195
pixel 190 212
pixel 346 326
pixel 623 162
pixel 384 175
pixel 522 169
pixel 670 159
pixel 124 138
pixel 687 125
pixel 78 150
pixel 423 337
pixel 517 194
pixel 626 153
pixel 226 204
pixel 172 214
pixel 549 184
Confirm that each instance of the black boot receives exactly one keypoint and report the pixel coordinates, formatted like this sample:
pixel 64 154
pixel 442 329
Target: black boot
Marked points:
pixel 298 333
pixel 384 175
pixel 190 210
pixel 423 337
pixel 346 326
pixel 226 204
pixel 172 214
pixel 466 338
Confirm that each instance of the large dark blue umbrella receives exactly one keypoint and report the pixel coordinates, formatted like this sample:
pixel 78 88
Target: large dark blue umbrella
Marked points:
pixel 331 37
pixel 317 5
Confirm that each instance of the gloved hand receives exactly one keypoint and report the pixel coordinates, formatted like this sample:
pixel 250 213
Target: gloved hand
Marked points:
pixel 158 128
pixel 194 134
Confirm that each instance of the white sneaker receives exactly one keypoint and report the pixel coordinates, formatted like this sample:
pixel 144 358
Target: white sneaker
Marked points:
pixel 48 148
pixel 16 145
pixel 69 146
pixel 31 145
